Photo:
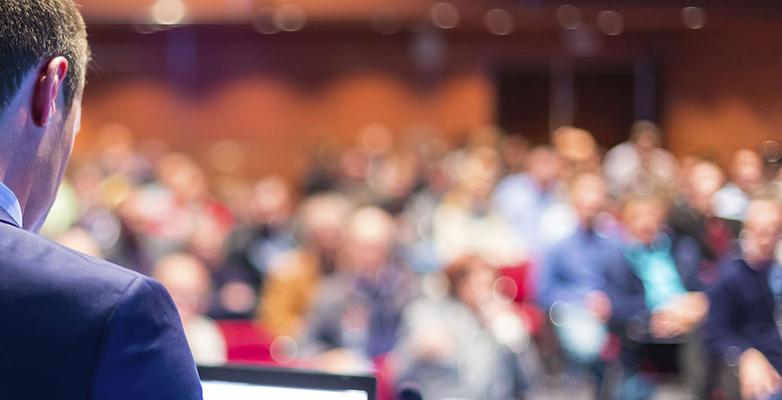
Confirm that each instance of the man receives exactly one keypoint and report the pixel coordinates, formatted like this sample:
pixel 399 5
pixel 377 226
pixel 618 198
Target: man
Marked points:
pixel 746 174
pixel 741 329
pixel 73 327
pixel 640 162
pixel 571 282
pixel 357 309
pixel 293 279
pixel 523 199
pixel 189 282
pixel 693 219
pixel 657 303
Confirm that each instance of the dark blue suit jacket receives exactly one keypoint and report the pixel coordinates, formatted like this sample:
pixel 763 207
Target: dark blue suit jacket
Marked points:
pixel 77 328
pixel 741 316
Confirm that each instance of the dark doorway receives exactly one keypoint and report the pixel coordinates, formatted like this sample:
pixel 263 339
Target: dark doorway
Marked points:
pixel 603 99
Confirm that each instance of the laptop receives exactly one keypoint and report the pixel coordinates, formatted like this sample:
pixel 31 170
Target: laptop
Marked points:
pixel 262 383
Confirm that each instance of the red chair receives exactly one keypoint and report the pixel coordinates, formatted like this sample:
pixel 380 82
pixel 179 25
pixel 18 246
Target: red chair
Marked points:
pixel 520 287
pixel 246 342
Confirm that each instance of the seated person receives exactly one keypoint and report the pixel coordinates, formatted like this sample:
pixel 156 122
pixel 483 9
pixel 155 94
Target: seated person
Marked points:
pixel 190 285
pixel 356 310
pixel 655 299
pixel 693 219
pixel 464 341
pixel 466 221
pixel 741 328
pixel 291 281
pixel 570 284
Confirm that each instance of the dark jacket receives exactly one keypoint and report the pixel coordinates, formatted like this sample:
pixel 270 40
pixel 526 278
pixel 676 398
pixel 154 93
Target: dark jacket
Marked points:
pixel 77 328
pixel 630 314
pixel 741 315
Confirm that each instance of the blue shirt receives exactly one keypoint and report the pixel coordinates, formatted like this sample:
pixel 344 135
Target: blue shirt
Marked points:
pixel 656 268
pixel 575 266
pixel 522 202
pixel 10 204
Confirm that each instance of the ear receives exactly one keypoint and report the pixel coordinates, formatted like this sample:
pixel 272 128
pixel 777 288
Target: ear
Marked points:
pixel 47 88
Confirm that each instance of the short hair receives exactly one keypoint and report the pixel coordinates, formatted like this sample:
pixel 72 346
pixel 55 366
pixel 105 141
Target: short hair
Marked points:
pixel 643 127
pixel 460 269
pixel 33 31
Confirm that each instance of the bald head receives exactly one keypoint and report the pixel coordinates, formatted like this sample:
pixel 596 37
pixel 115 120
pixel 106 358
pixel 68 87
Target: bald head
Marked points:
pixel 369 238
pixel 704 180
pixel 762 230
pixel 746 170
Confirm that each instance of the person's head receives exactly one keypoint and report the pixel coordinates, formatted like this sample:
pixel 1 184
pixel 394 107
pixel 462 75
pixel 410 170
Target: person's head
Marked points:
pixel 746 170
pixel 182 175
pixel 644 217
pixel 369 240
pixel 188 281
pixel 578 149
pixel 645 136
pixel 271 201
pixel 587 196
pixel 544 165
pixel 762 228
pixel 514 148
pixel 477 174
pixel 395 176
pixel 470 279
pixel 43 57
pixel 321 219
pixel 704 180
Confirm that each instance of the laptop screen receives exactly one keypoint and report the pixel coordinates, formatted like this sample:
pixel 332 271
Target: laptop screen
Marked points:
pixel 251 383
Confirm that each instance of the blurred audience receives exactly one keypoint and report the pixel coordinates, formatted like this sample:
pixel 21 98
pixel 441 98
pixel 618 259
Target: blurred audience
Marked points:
pixel 656 300
pixel 522 199
pixel 291 283
pixel 464 339
pixel 746 174
pixel 406 258
pixel 743 327
pixel 640 164
pixel 357 309
pixel 465 221
pixel 254 245
pixel 571 285
pixel 190 285
pixel 693 220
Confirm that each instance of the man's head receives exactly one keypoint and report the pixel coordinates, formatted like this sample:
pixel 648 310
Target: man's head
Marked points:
pixel 644 217
pixel 587 196
pixel 544 166
pixel 43 57
pixel 645 136
pixel 746 170
pixel 369 240
pixel 762 228
pixel 321 220
pixel 705 180
pixel 470 279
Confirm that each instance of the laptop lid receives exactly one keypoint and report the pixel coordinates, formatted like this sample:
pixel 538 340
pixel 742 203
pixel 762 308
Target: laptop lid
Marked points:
pixel 265 383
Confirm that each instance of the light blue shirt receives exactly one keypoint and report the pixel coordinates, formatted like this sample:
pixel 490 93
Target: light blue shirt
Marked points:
pixel 10 204
pixel 657 270
pixel 523 204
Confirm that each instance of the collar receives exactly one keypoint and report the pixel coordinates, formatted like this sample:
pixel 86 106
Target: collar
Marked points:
pixel 10 205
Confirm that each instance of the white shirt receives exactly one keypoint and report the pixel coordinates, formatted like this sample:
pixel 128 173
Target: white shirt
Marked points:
pixel 10 204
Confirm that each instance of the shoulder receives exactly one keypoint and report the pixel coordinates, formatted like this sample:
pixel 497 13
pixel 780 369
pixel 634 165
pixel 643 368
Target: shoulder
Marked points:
pixel 735 275
pixel 62 279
